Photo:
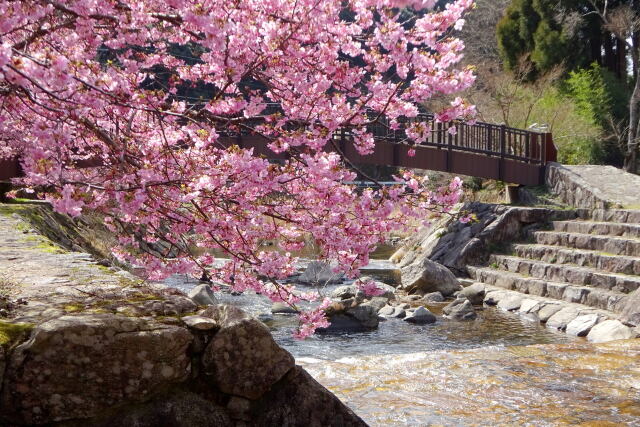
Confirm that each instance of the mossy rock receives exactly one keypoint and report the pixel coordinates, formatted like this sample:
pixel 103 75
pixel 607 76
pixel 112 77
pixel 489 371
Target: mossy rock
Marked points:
pixel 13 333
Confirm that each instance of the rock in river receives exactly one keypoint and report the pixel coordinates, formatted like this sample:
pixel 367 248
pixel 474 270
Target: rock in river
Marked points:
pixel 610 330
pixel 282 308
pixel 429 276
pixel 474 293
pixel 420 316
pixel 581 325
pixel 360 318
pixel 460 309
pixel 433 297
pixel 510 303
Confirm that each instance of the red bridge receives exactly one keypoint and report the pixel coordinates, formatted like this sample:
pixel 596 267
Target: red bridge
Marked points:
pixel 482 150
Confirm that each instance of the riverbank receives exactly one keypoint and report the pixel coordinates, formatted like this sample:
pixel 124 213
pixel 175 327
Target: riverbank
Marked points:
pixel 84 344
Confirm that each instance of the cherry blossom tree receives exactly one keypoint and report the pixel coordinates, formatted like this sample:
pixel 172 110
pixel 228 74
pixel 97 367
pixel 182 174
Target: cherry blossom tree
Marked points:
pixel 94 99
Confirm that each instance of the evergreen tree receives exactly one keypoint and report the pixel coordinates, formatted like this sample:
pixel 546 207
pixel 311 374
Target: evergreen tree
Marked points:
pixel 565 33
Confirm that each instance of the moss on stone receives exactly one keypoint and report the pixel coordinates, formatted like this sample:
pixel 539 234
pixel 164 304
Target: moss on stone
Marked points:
pixel 8 210
pixel 11 333
pixel 144 297
pixel 74 308
pixel 126 282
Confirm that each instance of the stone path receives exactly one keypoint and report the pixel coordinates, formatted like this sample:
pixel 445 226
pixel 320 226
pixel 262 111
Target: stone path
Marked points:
pixel 594 186
pixel 583 271
pixel 54 282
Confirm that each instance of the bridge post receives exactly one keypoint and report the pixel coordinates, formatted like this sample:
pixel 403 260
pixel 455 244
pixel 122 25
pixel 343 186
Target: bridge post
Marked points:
pixel 503 143
pixel 341 142
pixel 449 149
pixel 551 153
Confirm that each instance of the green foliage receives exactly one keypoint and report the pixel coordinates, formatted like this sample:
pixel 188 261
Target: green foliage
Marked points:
pixel 473 184
pixel 550 33
pixel 576 136
pixel 601 99
pixel 530 31
pixel 598 95
pixel 550 47
pixel 581 151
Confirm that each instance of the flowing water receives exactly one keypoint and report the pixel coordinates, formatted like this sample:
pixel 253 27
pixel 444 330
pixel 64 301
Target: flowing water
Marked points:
pixel 536 385
pixel 496 370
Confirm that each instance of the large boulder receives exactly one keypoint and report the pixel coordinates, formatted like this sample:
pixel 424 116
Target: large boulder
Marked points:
pixel 319 273
pixel 242 344
pixel 428 276
pixel 203 295
pixel 77 366
pixel 172 305
pixel 610 330
pixel 630 314
pixel 348 318
pixel 176 409
pixel 299 400
pixel 581 325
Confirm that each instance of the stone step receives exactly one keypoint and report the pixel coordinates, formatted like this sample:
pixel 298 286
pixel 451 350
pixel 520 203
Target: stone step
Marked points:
pixel 575 275
pixel 580 257
pixel 599 228
pixel 627 216
pixel 611 245
pixel 586 295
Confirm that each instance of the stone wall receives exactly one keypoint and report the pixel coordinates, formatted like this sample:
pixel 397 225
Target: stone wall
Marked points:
pixel 457 245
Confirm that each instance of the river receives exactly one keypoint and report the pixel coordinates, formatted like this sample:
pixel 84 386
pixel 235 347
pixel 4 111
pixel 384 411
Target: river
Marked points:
pixel 497 370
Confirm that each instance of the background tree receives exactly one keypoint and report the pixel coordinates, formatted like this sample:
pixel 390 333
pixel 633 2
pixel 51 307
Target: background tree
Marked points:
pixel 622 19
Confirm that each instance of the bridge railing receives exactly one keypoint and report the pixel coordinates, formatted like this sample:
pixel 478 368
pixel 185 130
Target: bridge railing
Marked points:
pixel 481 138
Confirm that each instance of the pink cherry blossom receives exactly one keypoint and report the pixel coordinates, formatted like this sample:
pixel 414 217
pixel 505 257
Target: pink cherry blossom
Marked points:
pixel 128 109
pixel 370 288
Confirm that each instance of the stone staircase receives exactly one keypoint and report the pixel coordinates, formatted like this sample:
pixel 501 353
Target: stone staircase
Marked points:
pixel 591 263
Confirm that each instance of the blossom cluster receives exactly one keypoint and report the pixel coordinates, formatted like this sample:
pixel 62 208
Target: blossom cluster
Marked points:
pixel 95 102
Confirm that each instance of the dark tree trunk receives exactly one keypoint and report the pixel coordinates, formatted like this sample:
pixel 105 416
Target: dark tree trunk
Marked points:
pixel 621 56
pixel 596 47
pixel 609 58
pixel 631 154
